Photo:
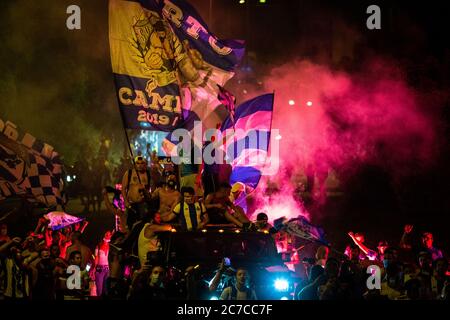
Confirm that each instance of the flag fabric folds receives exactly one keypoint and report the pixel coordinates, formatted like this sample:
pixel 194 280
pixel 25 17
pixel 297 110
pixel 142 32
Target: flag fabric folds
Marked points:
pixel 300 227
pixel 144 56
pixel 59 220
pixel 247 139
pixel 29 168
pixel 167 64
pixel 214 59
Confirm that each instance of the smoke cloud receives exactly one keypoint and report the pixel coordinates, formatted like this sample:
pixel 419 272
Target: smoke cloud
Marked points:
pixel 333 120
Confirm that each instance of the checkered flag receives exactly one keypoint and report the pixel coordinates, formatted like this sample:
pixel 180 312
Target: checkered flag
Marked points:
pixel 30 168
pixel 45 180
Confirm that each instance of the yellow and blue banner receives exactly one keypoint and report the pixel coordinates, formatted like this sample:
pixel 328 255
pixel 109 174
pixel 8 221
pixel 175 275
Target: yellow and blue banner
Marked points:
pixel 166 63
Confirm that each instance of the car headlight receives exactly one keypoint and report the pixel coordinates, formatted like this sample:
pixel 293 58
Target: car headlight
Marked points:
pixel 281 285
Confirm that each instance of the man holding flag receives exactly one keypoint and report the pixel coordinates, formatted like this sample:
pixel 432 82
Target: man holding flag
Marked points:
pixel 170 72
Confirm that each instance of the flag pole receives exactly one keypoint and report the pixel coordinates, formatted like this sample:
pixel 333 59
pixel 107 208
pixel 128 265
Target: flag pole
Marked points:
pixel 270 138
pixel 271 118
pixel 129 145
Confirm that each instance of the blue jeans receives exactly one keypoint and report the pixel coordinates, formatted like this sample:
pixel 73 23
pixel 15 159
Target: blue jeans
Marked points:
pixel 101 273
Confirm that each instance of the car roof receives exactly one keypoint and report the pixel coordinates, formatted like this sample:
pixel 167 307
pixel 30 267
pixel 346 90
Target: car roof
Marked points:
pixel 245 249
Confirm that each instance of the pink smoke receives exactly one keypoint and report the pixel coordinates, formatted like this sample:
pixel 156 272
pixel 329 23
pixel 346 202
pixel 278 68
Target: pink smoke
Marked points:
pixel 334 120
pixel 281 203
pixel 350 118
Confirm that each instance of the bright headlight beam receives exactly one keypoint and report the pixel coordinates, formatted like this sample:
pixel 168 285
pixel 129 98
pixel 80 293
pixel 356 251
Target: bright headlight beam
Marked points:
pixel 281 284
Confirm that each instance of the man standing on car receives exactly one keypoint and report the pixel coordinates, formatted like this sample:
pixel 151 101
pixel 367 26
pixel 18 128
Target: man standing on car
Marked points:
pixel 135 187
pixel 148 241
pixel 192 214
pixel 167 195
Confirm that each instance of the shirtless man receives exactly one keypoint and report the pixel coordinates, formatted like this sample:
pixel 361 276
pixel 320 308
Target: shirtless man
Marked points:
pixel 78 245
pixel 134 191
pixel 168 196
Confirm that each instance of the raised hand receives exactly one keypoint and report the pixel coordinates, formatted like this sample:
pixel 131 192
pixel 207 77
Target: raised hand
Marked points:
pixel 408 228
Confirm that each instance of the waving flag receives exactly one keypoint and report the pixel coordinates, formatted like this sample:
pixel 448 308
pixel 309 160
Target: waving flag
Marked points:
pixel 29 168
pixel 247 139
pixel 59 220
pixel 300 227
pixel 145 54
pixel 214 60
pixel 167 64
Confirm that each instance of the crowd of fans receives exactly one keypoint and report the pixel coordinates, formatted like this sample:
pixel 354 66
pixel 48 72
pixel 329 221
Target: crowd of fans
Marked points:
pixel 56 264
pixel 405 271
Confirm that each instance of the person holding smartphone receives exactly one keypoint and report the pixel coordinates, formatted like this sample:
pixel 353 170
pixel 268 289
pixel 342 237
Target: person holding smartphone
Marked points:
pixel 223 275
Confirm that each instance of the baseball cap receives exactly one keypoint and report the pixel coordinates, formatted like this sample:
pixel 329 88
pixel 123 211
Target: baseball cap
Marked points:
pixel 238 186
pixel 139 158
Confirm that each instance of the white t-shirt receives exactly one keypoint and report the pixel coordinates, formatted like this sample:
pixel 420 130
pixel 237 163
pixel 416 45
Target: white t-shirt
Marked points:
pixel 240 295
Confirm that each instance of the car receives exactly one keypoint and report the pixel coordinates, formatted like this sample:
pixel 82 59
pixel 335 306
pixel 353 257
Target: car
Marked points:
pixel 255 251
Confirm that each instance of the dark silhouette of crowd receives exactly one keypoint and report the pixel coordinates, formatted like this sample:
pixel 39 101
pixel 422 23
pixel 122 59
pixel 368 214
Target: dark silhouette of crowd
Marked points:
pixel 55 263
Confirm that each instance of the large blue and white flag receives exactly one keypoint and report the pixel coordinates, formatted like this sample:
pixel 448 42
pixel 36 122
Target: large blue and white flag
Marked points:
pixel 247 139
